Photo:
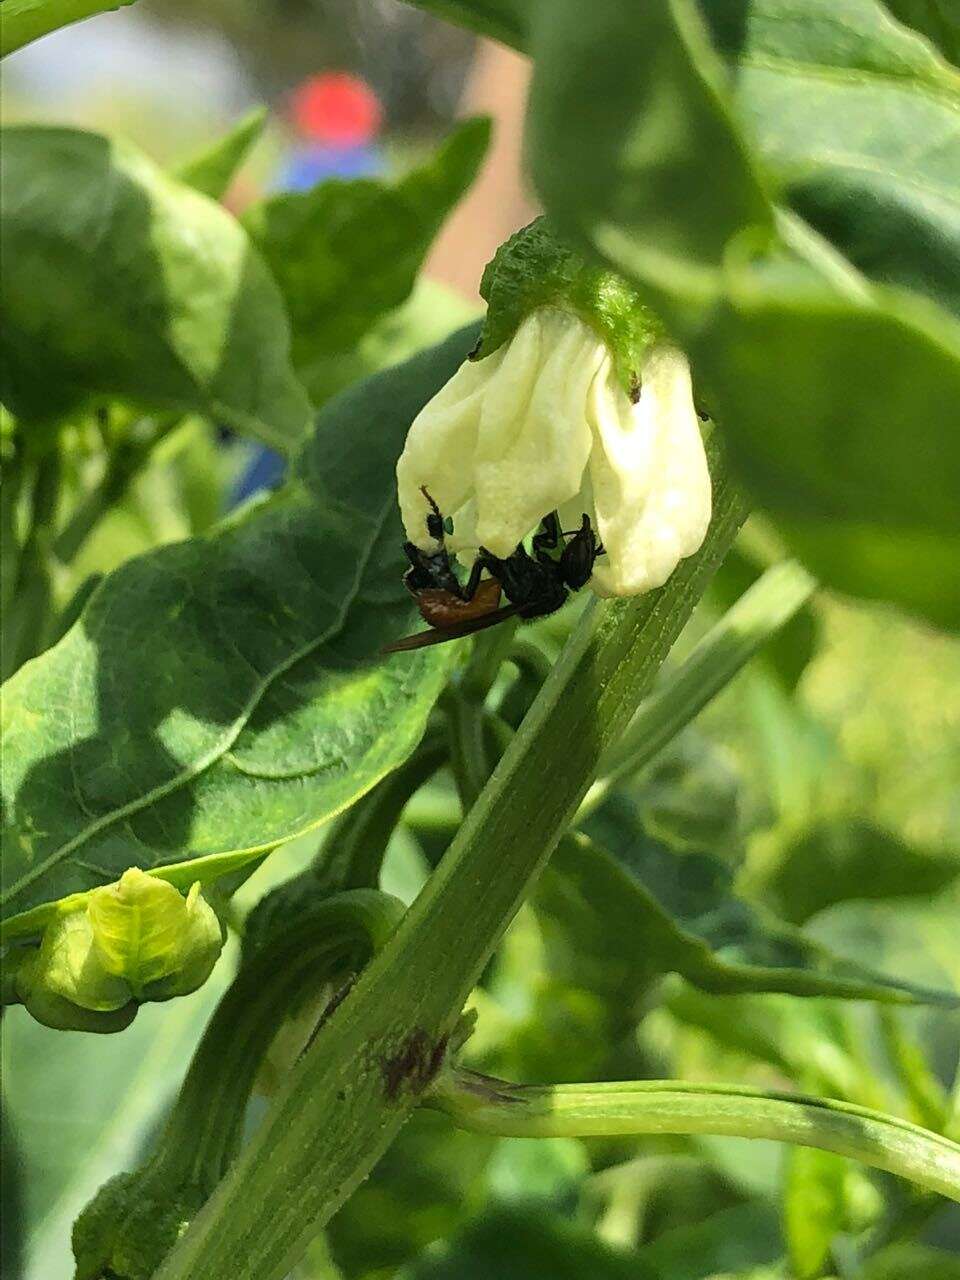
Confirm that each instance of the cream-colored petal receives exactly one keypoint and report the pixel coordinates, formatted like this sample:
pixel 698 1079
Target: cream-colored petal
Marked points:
pixel 650 482
pixel 440 447
pixel 534 439
pixel 507 439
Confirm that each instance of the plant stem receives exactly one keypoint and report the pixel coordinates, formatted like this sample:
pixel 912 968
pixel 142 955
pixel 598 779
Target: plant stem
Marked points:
pixel 26 618
pixel 635 1107
pixel 756 617
pixel 125 460
pixel 347 1097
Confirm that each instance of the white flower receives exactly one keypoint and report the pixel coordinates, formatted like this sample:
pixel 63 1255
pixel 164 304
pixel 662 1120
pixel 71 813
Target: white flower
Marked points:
pixel 543 424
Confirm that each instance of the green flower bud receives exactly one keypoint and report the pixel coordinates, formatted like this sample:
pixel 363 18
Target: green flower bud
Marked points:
pixel 147 934
pixel 117 947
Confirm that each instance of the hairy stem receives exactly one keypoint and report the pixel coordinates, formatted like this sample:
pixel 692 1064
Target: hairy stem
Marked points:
pixel 348 1096
pixel 672 1106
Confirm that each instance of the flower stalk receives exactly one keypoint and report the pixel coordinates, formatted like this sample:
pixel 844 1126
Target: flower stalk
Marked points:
pixel 632 1108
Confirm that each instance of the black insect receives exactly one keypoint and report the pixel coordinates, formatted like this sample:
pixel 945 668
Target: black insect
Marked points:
pixel 534 585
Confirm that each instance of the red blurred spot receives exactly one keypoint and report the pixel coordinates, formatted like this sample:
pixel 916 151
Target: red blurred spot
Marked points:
pixel 337 108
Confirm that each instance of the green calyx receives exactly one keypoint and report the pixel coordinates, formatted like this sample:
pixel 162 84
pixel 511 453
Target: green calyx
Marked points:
pixel 115 948
pixel 535 268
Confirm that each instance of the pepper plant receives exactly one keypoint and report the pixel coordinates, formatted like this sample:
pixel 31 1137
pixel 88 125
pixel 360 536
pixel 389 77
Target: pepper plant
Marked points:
pixel 507 884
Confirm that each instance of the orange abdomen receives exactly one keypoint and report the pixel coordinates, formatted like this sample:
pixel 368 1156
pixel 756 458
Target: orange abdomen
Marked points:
pixel 443 610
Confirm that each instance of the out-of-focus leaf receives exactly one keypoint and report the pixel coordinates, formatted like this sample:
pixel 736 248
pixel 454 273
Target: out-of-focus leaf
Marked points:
pixel 938 20
pixel 899 1261
pixel 504 20
pixel 212 171
pixel 430 313
pixel 120 281
pixel 220 696
pixel 837 861
pixel 24 20
pixel 82 1105
pixel 347 253
pixel 816 1043
pixel 789 652
pixel 742 1236
pixel 810 84
pixel 526 1244
pixel 814 1208
pixel 429 1181
pixel 618 154
pixel 629 908
pixel 11 1198
pixel 839 396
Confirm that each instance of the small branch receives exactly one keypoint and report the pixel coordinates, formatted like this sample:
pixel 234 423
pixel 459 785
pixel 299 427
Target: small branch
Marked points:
pixel 124 463
pixel 485 1105
pixel 756 617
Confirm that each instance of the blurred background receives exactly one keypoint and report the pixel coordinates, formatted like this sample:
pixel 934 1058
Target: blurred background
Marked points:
pixel 354 88
pixel 827 775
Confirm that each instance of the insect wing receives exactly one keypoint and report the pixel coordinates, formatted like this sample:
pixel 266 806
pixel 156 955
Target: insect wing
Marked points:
pixel 423 639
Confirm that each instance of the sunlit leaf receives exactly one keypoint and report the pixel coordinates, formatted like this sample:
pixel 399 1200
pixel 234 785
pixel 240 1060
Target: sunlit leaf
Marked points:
pixel 346 253
pixel 222 695
pixel 121 282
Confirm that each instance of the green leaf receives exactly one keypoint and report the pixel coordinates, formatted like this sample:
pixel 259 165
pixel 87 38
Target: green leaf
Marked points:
pixel 504 20
pixel 222 695
pixel 423 1188
pixel 938 20
pixel 845 859
pixel 630 908
pixel 810 84
pixel 525 1244
pixel 734 1238
pixel 900 1260
pixel 839 397
pixel 345 253
pixel 814 1208
pixel 24 20
pixel 618 154
pixel 122 282
pixel 212 171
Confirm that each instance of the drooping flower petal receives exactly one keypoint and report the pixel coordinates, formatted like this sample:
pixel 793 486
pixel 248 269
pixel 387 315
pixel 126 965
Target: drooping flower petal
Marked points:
pixel 648 476
pixel 507 439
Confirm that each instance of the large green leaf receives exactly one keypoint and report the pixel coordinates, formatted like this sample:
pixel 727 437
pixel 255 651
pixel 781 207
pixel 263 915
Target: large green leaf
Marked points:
pixel 222 695
pixel 839 393
pixel 630 909
pixel 121 282
pixel 811 83
pixel 347 253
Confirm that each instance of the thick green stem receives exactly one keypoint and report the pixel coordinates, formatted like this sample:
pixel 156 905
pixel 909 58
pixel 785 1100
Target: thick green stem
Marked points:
pixel 347 1097
pixel 672 1106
